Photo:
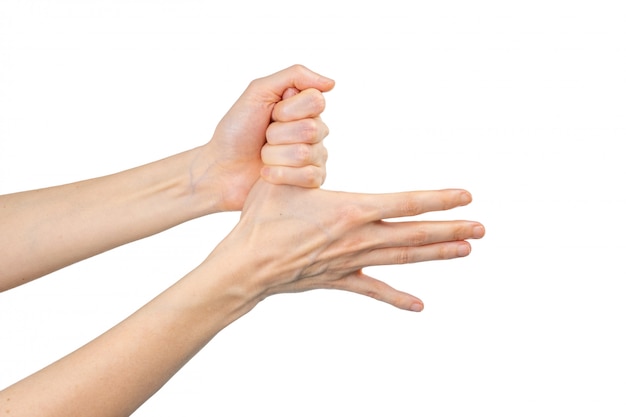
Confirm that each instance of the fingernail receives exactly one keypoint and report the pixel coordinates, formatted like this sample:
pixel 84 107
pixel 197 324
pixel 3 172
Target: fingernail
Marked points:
pixel 466 198
pixel 417 307
pixel 478 232
pixel 463 250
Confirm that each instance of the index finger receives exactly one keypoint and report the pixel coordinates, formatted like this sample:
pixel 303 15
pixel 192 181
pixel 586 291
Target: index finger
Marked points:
pixel 306 104
pixel 413 203
pixel 296 76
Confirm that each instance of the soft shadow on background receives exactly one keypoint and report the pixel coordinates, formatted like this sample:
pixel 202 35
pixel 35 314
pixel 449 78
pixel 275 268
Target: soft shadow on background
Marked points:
pixel 521 103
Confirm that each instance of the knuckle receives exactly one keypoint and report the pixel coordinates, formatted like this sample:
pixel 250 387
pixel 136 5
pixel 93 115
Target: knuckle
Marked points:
pixel 403 256
pixel 372 293
pixel 353 243
pixel 411 206
pixel 459 233
pixel 317 101
pixel 299 68
pixel 349 214
pixel 303 153
pixel 309 130
pixel 276 175
pixel 255 84
pixel 324 154
pixel 419 238
pixel 311 176
pixel 447 203
pixel 445 252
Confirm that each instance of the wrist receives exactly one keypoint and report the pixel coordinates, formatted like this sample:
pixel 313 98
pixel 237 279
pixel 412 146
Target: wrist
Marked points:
pixel 240 271
pixel 199 189
pixel 163 193
pixel 219 180
pixel 220 290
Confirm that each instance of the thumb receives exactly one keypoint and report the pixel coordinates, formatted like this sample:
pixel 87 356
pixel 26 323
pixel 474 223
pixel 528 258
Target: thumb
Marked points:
pixel 363 284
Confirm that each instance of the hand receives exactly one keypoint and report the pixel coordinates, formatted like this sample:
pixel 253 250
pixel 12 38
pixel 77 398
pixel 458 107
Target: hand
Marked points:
pixel 294 153
pixel 241 134
pixel 303 239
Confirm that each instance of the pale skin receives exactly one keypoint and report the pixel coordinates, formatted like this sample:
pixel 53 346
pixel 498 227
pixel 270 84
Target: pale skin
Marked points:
pixel 61 225
pixel 345 233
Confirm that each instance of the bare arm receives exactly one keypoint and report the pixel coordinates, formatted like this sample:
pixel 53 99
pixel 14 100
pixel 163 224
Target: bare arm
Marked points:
pixel 117 372
pixel 319 239
pixel 44 230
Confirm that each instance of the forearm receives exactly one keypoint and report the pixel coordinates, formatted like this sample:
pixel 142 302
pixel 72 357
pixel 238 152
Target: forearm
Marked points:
pixel 44 230
pixel 47 229
pixel 114 374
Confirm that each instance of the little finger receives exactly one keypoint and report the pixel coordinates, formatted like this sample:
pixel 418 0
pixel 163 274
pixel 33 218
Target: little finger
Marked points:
pixel 295 155
pixel 309 176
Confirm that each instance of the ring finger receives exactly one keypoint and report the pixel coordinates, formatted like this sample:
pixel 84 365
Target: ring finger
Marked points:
pixel 295 155
pixel 421 233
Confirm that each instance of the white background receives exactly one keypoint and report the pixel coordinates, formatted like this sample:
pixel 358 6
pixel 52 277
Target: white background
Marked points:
pixel 521 103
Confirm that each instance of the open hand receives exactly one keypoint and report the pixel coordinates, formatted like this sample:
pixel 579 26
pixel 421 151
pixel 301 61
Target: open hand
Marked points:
pixel 302 239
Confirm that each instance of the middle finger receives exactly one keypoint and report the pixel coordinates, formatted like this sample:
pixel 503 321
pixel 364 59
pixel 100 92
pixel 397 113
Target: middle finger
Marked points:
pixel 299 131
